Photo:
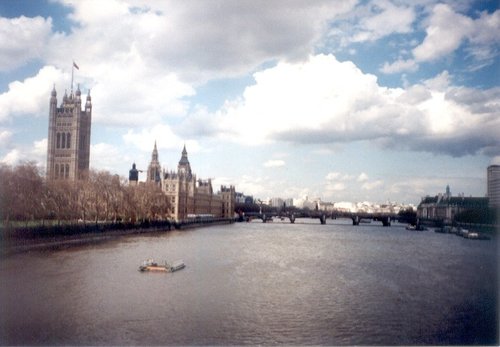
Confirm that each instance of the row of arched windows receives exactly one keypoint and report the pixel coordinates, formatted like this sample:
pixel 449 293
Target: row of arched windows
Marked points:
pixel 62 170
pixel 63 140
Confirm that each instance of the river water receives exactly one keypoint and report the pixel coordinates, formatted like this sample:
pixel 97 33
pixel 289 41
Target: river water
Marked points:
pixel 256 283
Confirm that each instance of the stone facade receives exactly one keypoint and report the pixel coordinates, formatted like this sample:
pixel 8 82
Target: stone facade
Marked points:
pixel 154 168
pixel 445 207
pixel 68 145
pixel 188 196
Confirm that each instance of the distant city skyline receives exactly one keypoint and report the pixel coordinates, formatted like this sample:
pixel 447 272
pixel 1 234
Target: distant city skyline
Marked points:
pixel 347 101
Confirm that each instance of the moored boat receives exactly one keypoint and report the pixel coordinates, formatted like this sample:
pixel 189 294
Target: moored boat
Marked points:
pixel 177 265
pixel 151 265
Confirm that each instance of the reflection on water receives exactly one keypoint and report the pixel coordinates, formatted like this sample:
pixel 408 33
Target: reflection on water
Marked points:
pixel 255 283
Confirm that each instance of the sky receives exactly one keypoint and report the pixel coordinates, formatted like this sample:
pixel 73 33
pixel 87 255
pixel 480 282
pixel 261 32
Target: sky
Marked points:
pixel 344 100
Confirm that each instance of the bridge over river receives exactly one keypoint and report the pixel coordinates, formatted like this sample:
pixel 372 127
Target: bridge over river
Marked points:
pixel 357 217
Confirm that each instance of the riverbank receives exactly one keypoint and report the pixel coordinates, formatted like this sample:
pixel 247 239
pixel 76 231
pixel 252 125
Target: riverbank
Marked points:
pixel 20 240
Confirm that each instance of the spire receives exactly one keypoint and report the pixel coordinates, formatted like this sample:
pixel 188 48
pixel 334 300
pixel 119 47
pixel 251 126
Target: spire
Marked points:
pixel 184 167
pixel 53 97
pixel 154 156
pixel 154 168
pixel 88 103
pixel 65 97
pixel 184 158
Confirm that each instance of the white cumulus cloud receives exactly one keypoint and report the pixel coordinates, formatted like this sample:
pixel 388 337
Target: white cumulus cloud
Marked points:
pixel 30 97
pixel 274 163
pixel 327 101
pixel 384 18
pixel 23 39
pixel 5 137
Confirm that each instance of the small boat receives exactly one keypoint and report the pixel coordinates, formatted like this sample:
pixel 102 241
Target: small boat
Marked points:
pixel 151 265
pixel 463 233
pixel 472 235
pixel 177 265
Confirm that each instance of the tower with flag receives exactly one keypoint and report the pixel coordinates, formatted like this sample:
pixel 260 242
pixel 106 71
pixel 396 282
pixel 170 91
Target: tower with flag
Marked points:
pixel 68 145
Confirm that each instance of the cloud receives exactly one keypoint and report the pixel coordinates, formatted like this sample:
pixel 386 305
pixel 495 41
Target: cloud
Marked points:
pixel 337 176
pixel 363 177
pixel 335 187
pixel 274 163
pixel 30 97
pixel 147 59
pixel 5 138
pixel 372 21
pixel 12 158
pixel 259 186
pixel 338 182
pixel 106 156
pixel 399 66
pixel 446 31
pixel 444 34
pixel 372 185
pixel 162 134
pixel 23 39
pixel 37 152
pixel 189 35
pixel 383 19
pixel 327 101
pixel 148 98
pixel 40 150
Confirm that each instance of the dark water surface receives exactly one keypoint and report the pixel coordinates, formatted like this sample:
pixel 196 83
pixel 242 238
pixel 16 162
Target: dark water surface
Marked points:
pixel 255 283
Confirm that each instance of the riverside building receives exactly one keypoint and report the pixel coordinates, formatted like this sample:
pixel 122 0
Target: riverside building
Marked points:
pixel 189 197
pixel 444 207
pixel 68 145
pixel 493 189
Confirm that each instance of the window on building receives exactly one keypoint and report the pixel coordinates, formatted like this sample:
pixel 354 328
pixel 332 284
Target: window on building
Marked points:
pixel 56 171
pixel 66 173
pixel 58 142
pixel 68 140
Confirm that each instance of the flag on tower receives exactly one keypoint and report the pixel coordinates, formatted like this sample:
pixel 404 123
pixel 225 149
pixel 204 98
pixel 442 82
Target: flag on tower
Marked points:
pixel 74 64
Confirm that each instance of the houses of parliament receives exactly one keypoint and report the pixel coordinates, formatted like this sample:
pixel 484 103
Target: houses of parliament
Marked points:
pixel 68 153
pixel 189 197
pixel 68 145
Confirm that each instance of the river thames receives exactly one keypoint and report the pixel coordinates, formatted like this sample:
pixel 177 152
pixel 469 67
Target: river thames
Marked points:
pixel 256 283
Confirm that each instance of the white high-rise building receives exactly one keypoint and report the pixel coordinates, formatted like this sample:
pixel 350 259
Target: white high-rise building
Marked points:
pixel 493 182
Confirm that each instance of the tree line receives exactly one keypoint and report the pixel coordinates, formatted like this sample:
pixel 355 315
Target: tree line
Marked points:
pixel 25 196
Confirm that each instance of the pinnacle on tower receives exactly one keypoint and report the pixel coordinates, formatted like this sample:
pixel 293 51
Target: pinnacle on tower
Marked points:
pixel 154 156
pixel 184 159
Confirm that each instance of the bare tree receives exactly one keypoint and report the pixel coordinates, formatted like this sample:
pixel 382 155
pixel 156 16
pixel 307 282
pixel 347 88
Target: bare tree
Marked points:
pixel 7 194
pixel 25 195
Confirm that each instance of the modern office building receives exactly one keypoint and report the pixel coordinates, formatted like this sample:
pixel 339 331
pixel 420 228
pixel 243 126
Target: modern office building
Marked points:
pixel 493 185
